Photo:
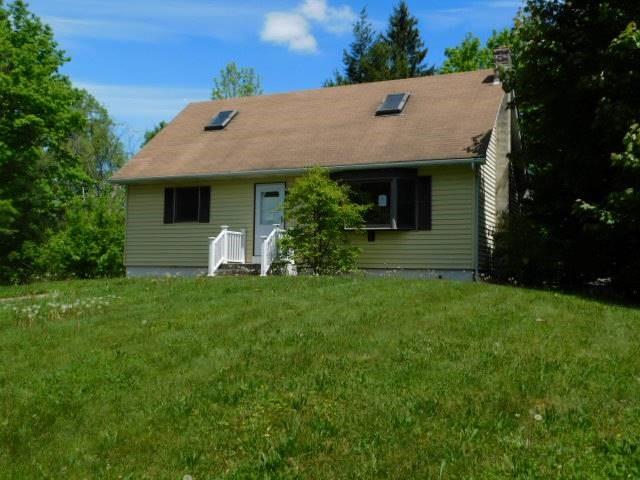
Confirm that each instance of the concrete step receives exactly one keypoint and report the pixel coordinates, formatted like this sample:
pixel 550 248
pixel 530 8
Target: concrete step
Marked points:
pixel 235 269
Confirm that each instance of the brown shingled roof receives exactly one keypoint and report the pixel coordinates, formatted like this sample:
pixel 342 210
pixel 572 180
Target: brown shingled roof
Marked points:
pixel 446 117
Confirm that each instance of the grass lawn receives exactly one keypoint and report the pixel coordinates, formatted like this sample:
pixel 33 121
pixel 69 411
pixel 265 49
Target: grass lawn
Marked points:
pixel 315 378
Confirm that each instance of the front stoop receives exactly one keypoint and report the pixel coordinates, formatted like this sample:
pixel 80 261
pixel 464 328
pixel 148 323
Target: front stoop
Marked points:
pixel 237 269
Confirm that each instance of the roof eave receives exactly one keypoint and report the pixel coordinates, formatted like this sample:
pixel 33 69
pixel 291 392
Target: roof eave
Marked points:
pixel 297 170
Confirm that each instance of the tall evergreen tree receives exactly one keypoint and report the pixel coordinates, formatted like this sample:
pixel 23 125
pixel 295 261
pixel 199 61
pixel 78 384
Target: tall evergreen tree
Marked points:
pixel 407 50
pixel 355 59
pixel 367 59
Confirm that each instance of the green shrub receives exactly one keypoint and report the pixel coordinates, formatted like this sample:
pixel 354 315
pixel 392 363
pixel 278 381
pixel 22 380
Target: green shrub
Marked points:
pixel 90 242
pixel 319 211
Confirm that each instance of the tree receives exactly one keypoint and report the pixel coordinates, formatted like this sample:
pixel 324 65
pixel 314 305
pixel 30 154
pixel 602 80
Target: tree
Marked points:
pixel 37 118
pixel 91 241
pixel 617 218
pixel 236 82
pixel 471 55
pixel 319 210
pixel 365 61
pixel 373 57
pixel 149 134
pixel 407 51
pixel 97 145
pixel 576 74
pixel 355 60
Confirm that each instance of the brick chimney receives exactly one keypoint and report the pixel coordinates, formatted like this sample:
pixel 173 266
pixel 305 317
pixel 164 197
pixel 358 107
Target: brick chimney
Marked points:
pixel 501 59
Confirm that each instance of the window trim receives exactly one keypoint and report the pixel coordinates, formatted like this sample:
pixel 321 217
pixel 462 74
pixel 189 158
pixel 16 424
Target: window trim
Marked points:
pixel 169 211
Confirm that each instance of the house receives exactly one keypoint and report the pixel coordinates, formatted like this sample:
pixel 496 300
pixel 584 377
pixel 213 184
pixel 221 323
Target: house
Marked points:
pixel 430 153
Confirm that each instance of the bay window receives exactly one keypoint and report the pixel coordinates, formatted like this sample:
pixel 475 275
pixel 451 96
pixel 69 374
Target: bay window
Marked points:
pixel 398 199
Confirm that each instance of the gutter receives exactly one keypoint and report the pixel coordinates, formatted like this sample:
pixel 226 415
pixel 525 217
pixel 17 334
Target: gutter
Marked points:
pixel 293 171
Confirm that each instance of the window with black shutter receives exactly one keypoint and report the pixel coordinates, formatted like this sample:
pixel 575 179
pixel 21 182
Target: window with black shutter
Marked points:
pixel 187 204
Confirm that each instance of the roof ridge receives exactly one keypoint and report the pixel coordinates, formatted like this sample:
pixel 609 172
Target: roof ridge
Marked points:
pixel 344 87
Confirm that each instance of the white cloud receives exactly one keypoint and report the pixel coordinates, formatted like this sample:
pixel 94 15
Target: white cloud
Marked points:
pixel 290 29
pixel 314 9
pixel 293 28
pixel 334 19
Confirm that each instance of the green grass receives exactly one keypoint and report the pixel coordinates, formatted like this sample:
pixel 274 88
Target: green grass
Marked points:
pixel 316 378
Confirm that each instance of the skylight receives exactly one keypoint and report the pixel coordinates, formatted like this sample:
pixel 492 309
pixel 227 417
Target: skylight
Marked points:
pixel 221 120
pixel 393 104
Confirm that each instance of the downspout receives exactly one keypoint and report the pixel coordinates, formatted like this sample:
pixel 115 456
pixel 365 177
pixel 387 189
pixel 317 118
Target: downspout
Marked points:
pixel 476 223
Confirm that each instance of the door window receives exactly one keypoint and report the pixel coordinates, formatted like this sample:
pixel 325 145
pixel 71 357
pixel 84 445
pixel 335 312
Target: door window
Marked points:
pixel 270 212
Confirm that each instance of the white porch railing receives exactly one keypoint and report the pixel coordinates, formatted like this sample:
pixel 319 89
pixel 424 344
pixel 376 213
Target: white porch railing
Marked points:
pixel 270 249
pixel 228 246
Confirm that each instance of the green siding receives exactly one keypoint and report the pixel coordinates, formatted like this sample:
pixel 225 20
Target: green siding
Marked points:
pixel 149 242
pixel 449 245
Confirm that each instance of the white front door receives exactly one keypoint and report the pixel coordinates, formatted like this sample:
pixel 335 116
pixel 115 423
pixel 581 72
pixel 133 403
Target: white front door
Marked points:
pixel 269 198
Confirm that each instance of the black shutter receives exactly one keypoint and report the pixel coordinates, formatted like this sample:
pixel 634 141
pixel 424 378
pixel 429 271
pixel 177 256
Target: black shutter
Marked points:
pixel 424 203
pixel 205 202
pixel 168 205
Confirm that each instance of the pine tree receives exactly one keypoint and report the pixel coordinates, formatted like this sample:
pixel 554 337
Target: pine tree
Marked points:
pixel 407 51
pixel 363 59
pixel 359 49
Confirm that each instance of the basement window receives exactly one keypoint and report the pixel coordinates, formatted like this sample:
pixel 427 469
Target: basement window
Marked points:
pixel 187 204
pixel 221 120
pixel 393 104
pixel 398 199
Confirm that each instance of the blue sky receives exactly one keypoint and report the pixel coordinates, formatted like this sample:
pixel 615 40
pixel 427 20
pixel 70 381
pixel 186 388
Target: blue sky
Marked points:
pixel 146 59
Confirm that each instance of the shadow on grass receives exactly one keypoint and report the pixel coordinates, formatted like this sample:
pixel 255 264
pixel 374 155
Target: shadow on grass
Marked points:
pixel 603 294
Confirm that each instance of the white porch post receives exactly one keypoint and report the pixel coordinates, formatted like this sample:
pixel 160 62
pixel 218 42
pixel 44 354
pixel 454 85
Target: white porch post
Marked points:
pixel 211 255
pixel 225 243
pixel 263 258
pixel 244 244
